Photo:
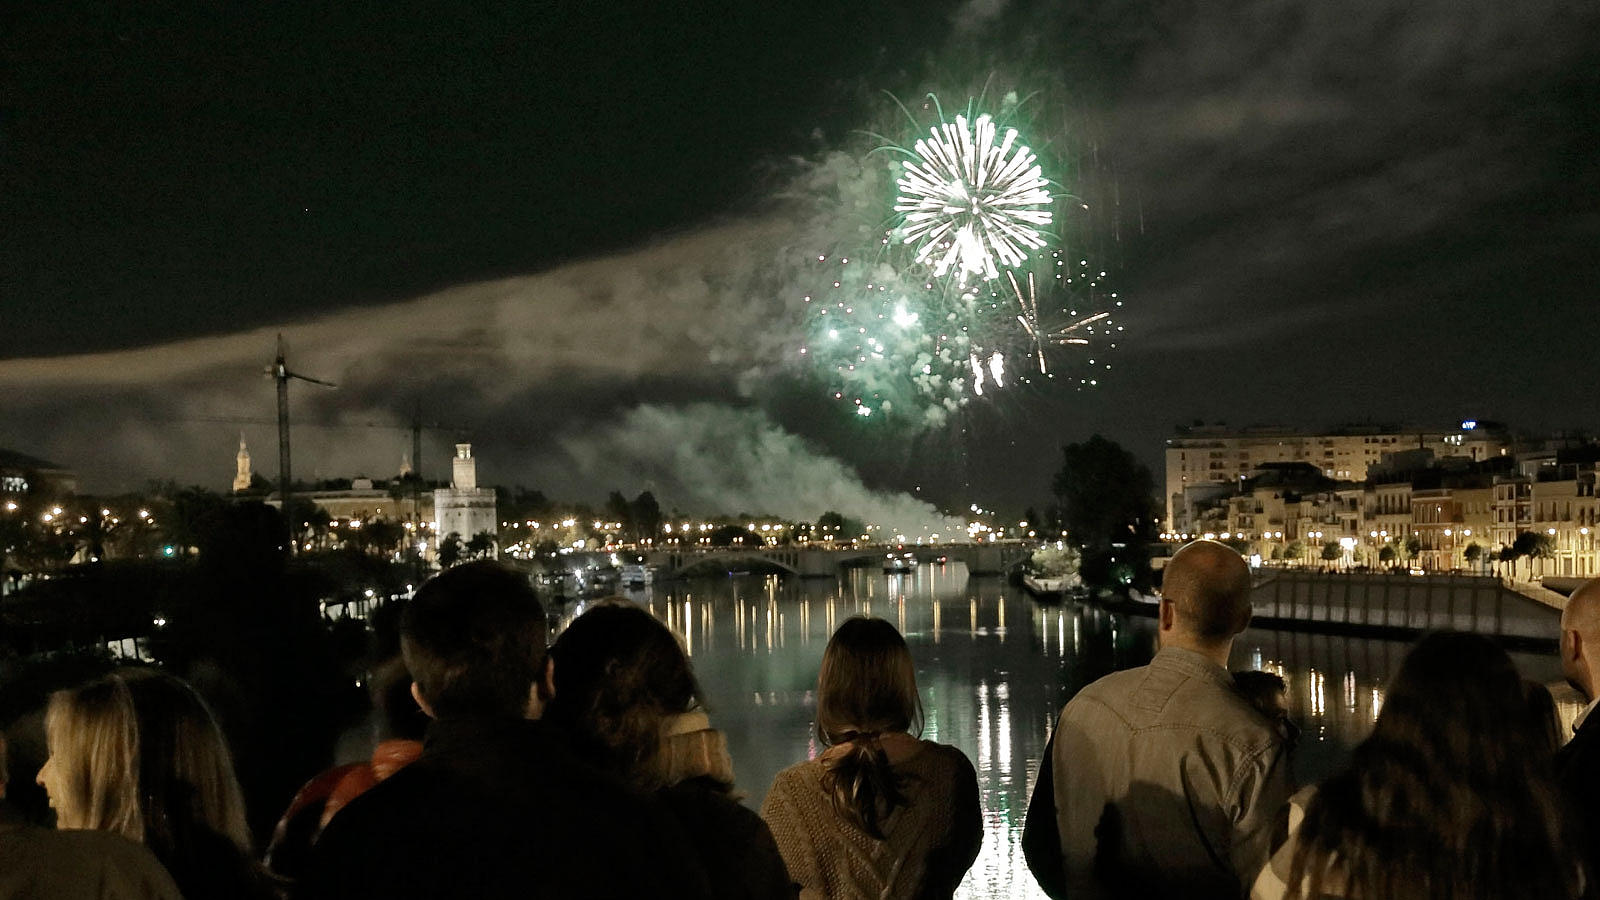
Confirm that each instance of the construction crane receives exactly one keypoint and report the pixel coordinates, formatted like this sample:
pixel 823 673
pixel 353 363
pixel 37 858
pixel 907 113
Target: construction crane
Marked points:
pixel 279 372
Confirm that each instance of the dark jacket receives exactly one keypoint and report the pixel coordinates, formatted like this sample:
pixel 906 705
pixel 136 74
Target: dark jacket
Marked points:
pixel 1578 773
pixel 499 809
pixel 733 844
pixel 42 864
pixel 1041 835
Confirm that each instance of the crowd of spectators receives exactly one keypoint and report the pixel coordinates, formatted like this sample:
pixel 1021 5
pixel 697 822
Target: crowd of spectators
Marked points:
pixel 591 768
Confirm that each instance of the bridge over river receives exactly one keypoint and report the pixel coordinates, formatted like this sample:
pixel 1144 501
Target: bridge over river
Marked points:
pixel 826 562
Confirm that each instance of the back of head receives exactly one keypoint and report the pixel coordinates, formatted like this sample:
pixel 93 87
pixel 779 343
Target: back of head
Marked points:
pixel 1209 586
pixel 473 639
pixel 868 683
pixel 1452 795
pixel 139 753
pixel 620 678
pixel 867 687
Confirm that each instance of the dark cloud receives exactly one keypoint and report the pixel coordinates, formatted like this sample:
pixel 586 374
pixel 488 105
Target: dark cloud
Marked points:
pixel 1317 212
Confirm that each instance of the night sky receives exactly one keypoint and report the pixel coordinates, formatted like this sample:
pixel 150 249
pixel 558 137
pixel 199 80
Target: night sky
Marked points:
pixel 570 230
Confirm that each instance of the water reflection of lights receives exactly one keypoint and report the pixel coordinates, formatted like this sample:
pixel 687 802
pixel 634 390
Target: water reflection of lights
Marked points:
pixel 1377 703
pixel 1002 694
pixel 985 730
pixel 1350 691
pixel 1319 697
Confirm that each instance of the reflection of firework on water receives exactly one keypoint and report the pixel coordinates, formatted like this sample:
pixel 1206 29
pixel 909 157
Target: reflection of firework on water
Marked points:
pixel 969 204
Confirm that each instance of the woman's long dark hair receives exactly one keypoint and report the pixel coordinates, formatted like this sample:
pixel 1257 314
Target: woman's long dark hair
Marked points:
pixel 620 677
pixel 1452 797
pixel 867 686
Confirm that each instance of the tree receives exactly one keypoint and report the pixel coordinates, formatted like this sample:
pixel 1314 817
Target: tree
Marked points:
pixel 1295 551
pixel 620 511
pixel 1106 495
pixel 730 536
pixel 646 516
pixel 1413 548
pixel 1472 554
pixel 480 545
pixel 1507 555
pixel 1526 545
pixel 381 536
pixel 450 550
pixel 1331 552
pixel 1543 548
pixel 1386 555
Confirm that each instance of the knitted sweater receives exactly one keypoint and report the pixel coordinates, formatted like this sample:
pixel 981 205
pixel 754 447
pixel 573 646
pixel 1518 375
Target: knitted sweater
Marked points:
pixel 930 843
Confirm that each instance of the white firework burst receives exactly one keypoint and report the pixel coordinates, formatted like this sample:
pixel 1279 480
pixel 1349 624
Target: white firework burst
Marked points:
pixel 971 204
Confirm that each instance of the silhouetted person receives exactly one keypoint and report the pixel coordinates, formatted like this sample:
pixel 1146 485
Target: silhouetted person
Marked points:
pixel 880 813
pixel 625 693
pixel 1269 694
pixel 497 806
pixel 139 754
pixel 402 725
pixel 1163 781
pixel 1452 796
pixel 1578 763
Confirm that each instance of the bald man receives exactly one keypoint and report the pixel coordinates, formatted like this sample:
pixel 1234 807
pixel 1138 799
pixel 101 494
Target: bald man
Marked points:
pixel 1578 763
pixel 1163 781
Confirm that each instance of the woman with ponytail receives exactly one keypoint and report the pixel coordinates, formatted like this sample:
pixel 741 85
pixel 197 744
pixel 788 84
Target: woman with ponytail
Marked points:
pixel 880 813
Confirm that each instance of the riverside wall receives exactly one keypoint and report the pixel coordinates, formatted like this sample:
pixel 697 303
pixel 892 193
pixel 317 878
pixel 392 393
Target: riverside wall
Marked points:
pixel 1402 605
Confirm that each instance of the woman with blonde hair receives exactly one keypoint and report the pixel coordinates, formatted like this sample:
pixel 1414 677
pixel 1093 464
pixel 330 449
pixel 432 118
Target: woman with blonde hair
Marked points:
pixel 881 812
pixel 138 753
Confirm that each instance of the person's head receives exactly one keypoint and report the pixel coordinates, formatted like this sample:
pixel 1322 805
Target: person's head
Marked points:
pixel 1453 793
pixel 867 688
pixel 473 639
pixel 867 684
pixel 1266 691
pixel 138 753
pixel 1269 694
pixel 1205 598
pixel 620 679
pixel 1580 639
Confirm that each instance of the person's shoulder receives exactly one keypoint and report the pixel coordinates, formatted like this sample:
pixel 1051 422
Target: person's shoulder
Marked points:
pixel 700 801
pixel 1108 692
pixel 804 777
pixel 86 863
pixel 945 757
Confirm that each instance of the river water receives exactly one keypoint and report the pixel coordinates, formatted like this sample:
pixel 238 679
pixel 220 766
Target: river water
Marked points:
pixel 994 668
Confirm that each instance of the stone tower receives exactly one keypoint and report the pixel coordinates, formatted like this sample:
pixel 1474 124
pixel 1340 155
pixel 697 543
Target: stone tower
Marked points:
pixel 242 477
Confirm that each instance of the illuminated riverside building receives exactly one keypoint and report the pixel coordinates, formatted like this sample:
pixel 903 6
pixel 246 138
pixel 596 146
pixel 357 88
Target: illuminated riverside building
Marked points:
pixel 463 508
pixel 22 475
pixel 1430 513
pixel 1202 457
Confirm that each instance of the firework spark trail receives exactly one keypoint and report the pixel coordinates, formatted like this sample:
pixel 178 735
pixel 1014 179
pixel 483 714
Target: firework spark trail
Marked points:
pixel 1063 335
pixel 1029 319
pixel 973 200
